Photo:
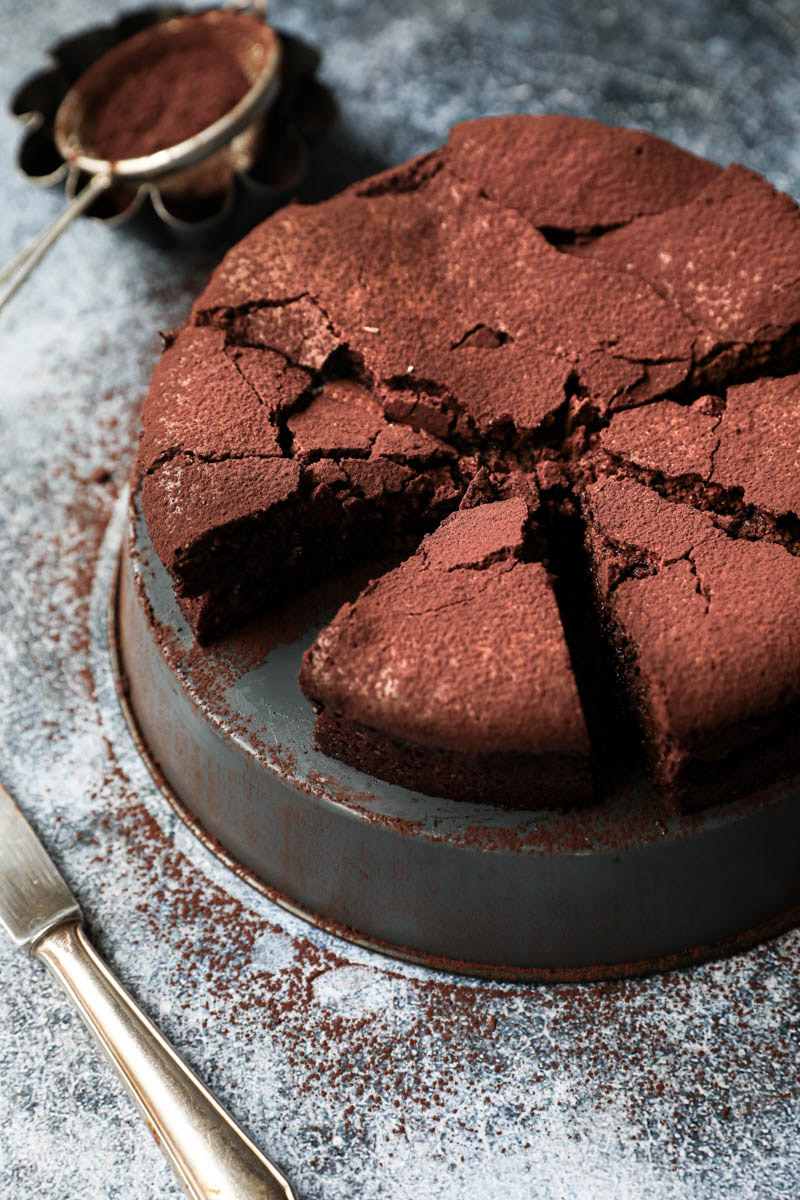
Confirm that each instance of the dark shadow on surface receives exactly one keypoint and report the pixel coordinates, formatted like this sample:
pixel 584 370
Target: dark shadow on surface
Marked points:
pixel 338 160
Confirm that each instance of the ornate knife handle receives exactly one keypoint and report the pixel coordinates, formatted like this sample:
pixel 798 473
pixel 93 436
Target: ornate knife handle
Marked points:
pixel 209 1153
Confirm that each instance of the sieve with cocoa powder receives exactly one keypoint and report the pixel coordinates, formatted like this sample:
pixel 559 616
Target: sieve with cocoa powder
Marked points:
pixel 146 111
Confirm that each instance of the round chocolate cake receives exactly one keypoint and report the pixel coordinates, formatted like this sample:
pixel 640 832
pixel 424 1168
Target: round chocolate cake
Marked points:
pixel 552 366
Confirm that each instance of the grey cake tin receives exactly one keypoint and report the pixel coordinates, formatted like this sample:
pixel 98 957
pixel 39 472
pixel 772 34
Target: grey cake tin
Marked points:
pixel 616 889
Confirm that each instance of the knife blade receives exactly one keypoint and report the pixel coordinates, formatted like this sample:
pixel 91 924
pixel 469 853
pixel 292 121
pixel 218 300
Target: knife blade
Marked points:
pixel 210 1154
pixel 33 895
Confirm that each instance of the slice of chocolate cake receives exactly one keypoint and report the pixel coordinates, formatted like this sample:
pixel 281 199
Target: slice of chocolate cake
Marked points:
pixel 707 635
pixel 737 456
pixel 450 675
pixel 727 259
pixel 241 526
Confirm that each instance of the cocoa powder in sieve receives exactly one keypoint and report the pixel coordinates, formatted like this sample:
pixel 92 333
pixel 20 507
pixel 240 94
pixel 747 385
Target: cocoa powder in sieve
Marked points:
pixel 165 94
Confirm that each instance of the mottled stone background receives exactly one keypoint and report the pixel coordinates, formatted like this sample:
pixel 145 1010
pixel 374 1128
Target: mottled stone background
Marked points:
pixel 361 1077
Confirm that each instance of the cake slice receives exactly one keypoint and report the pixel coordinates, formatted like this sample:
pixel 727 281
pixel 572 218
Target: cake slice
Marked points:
pixel 707 636
pixel 451 676
pixel 570 175
pixel 736 454
pixel 727 259
pixel 257 481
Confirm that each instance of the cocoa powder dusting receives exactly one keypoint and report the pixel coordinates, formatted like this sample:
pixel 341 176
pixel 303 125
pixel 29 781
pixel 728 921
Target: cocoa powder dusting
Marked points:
pixel 381 1053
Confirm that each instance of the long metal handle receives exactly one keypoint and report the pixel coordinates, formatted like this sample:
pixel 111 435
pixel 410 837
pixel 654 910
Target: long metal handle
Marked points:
pixel 206 1149
pixel 20 267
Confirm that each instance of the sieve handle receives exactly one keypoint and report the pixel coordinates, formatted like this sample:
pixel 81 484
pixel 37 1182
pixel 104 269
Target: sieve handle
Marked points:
pixel 20 267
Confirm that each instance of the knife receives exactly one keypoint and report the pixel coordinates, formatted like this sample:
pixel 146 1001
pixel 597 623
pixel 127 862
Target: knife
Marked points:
pixel 210 1154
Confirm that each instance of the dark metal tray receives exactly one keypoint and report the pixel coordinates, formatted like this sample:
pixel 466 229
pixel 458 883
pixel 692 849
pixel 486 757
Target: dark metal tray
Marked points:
pixel 619 888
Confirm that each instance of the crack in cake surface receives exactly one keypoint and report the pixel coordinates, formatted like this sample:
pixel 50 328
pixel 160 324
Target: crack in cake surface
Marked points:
pixel 436 288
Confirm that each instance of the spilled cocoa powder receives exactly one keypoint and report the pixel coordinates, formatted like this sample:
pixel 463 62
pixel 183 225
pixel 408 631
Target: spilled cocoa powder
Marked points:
pixel 445 1055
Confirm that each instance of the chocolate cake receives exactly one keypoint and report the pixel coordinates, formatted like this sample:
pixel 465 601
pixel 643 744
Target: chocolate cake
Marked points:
pixel 543 297
pixel 707 632
pixel 250 493
pixel 490 670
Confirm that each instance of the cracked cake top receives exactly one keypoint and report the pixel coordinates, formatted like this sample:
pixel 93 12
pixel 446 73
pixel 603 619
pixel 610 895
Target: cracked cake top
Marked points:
pixel 543 294
pixel 462 642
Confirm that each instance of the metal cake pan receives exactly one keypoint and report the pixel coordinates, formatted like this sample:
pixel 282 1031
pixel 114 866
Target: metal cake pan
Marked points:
pixel 616 889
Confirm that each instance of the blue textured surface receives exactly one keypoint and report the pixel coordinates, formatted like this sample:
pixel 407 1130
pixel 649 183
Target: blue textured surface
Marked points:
pixel 363 1078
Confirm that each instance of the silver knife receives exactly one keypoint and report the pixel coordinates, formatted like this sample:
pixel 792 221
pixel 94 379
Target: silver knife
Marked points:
pixel 210 1154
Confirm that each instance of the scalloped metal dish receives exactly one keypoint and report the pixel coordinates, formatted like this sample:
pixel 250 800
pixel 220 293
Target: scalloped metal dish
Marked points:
pixel 616 889
pixel 302 109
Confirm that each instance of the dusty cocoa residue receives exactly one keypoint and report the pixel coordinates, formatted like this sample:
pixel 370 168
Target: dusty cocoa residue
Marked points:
pixel 60 564
pixel 639 1046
